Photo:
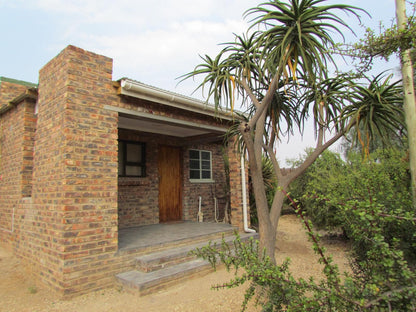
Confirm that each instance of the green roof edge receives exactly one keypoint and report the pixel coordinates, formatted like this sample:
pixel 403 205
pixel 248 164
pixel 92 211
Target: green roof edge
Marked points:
pixel 20 82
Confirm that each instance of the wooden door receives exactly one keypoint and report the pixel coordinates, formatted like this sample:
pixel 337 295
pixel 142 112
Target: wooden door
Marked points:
pixel 170 182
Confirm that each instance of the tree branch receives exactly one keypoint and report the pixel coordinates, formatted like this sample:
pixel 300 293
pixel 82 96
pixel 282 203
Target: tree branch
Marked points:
pixel 382 297
pixel 266 101
pixel 320 148
pixel 250 94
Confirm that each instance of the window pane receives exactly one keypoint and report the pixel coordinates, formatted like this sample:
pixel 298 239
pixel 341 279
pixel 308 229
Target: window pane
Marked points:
pixel 193 154
pixel 205 155
pixel 194 174
pixel 206 164
pixel 200 165
pixel 134 152
pixel 133 170
pixel 206 174
pixel 194 164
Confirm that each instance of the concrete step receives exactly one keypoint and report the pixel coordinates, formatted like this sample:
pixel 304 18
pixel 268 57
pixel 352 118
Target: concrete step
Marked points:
pixel 169 257
pixel 146 283
pixel 162 269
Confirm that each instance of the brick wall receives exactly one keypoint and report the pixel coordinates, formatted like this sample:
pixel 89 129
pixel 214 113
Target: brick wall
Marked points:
pixel 66 159
pixel 236 198
pixel 207 191
pixel 17 129
pixel 75 172
pixel 138 197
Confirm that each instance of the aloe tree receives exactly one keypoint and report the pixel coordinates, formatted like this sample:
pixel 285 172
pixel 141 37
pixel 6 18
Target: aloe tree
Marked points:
pixel 279 72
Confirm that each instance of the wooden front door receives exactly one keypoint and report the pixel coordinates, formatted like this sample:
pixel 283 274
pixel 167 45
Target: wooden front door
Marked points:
pixel 170 184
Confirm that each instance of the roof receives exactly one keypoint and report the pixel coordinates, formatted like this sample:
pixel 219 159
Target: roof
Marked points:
pixel 140 90
pixel 19 82
pixel 30 92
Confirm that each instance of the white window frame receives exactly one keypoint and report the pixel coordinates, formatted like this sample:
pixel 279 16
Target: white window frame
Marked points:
pixel 200 180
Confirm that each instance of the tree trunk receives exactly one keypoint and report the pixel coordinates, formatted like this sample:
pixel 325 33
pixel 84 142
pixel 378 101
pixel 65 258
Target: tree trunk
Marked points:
pixel 267 232
pixel 267 240
pixel 409 95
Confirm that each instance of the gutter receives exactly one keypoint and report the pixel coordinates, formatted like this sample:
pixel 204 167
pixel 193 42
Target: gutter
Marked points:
pixel 244 194
pixel 30 94
pixel 6 108
pixel 139 90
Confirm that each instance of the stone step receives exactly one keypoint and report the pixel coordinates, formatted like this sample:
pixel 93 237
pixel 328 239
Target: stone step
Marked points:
pixel 162 269
pixel 169 257
pixel 146 283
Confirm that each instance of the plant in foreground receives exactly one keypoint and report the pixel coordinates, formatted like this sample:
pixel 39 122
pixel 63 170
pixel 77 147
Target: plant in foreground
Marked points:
pixel 381 281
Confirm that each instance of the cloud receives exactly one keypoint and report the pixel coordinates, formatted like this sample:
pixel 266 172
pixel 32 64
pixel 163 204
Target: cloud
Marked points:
pixel 153 41
pixel 161 55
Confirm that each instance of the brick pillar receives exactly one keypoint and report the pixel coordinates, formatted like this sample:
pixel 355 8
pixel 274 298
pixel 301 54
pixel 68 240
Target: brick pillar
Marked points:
pixel 236 198
pixel 75 172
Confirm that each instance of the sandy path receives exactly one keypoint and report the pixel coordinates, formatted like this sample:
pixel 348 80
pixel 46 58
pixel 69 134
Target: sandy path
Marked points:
pixel 19 291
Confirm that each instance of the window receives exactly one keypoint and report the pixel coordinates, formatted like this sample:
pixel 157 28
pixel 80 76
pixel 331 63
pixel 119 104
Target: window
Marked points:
pixel 131 159
pixel 200 165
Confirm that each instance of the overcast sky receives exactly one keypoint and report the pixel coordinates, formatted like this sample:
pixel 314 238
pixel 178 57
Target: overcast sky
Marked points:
pixel 152 41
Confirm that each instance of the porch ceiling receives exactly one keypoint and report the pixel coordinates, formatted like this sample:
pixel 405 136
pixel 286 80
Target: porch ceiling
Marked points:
pixel 152 123
pixel 159 127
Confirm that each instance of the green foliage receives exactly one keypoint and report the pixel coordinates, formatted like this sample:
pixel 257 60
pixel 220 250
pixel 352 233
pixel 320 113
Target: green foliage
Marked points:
pixel 324 176
pixel 273 287
pixel 377 108
pixel 383 43
pixel 299 33
pixel 33 290
pixel 382 280
pixel 388 41
pixel 288 48
pixel 280 69
pixel 383 180
pixel 381 271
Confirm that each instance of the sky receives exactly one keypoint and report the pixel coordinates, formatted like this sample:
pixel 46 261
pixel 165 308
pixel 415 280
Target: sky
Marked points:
pixel 153 41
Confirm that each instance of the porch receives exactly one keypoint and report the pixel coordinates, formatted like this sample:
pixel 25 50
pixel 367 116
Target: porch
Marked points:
pixel 157 236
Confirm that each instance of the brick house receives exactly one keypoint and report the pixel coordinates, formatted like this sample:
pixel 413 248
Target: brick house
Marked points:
pixel 83 157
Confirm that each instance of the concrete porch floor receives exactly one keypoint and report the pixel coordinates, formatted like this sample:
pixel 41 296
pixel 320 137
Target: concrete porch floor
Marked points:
pixel 164 233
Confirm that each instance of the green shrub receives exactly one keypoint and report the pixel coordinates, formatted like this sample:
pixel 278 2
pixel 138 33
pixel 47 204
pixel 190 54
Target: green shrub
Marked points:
pixel 381 281
pixel 371 201
pixel 383 180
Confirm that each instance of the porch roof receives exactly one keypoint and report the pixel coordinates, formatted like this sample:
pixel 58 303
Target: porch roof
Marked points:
pixel 146 122
pixel 140 90
pixel 153 123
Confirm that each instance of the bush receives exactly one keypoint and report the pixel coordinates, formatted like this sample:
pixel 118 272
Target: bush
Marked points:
pixel 324 176
pixel 371 201
pixel 383 180
pixel 383 281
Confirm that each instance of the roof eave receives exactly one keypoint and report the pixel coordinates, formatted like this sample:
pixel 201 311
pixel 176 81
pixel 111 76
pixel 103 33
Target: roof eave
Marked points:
pixel 30 94
pixel 137 89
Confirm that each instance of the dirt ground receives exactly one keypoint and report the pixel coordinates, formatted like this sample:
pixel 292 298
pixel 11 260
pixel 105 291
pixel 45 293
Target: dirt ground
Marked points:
pixel 20 292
